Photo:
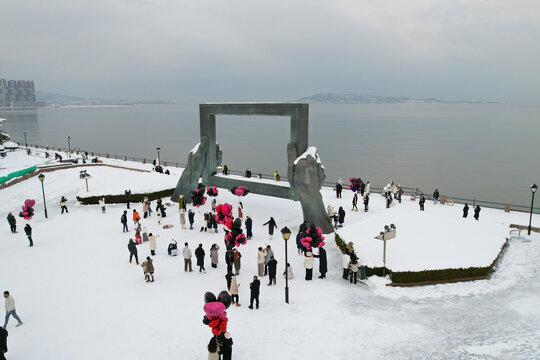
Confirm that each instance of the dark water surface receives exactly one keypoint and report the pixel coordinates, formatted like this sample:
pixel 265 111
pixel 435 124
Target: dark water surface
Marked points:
pixel 483 151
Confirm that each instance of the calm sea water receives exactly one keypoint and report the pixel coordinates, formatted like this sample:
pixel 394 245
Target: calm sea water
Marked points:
pixel 483 151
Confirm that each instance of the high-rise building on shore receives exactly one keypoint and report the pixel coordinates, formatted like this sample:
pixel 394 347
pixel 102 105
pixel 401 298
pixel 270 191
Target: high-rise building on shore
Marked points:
pixel 18 93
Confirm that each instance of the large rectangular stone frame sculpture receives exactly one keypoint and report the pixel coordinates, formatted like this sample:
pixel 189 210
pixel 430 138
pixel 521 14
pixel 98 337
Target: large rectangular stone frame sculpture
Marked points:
pixel 298 113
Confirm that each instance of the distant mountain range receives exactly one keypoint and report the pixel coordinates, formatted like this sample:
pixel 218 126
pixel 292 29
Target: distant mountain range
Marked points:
pixel 331 98
pixel 52 99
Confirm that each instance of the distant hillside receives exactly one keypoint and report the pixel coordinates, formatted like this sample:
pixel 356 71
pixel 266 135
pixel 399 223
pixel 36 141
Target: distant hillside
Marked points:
pixel 331 98
pixel 67 100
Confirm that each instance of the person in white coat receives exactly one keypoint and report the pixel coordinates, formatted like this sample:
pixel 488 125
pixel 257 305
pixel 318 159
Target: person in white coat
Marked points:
pixel 102 204
pixel 346 262
pixel 308 264
pixel 159 216
pixel 234 291
pixel 288 272
pixel 261 255
pixel 186 253
pixel 10 309
pixel 152 241
pixel 368 185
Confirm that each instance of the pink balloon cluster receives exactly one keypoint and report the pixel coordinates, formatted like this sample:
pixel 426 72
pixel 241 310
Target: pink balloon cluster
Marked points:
pixel 234 237
pixel 28 209
pixel 313 238
pixel 212 191
pixel 240 190
pixel 224 212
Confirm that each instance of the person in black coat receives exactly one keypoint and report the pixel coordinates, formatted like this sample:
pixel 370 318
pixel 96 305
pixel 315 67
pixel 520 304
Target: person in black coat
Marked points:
pixel 225 345
pixel 249 224
pixel 465 210
pixel 323 264
pixel 12 223
pixel 132 247
pixel 3 342
pixel 341 213
pixel 366 203
pixel 421 202
pixel 435 196
pixel 229 260
pixel 271 226
pixel 254 286
pixel 228 277
pixel 199 254
pixel 191 218
pixel 127 194
pixel 123 220
pixel 28 231
pixel 339 189
pixel 272 266
pixel 299 245
pixel 477 212
pixel 362 187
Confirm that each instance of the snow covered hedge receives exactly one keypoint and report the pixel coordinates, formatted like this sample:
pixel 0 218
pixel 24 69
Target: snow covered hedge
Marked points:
pixel 426 276
pixel 118 199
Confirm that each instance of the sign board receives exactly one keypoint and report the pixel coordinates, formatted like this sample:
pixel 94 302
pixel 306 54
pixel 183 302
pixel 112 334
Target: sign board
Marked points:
pixel 387 236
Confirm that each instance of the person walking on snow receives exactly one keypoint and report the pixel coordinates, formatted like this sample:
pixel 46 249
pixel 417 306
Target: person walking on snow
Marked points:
pixel 10 309
pixel 63 205
pixel 240 210
pixel 229 260
pixel 465 210
pixel 152 241
pixel 148 268
pixel 254 286
pixel 354 269
pixel 354 202
pixel 323 263
pixel 12 223
pixel 341 213
pixel 271 226
pixel 249 224
pixel 28 232
pixel 368 185
pixel 308 264
pixel 132 247
pixel 191 218
pixel 272 267
pixel 477 212
pixel 183 218
pixel 421 202
pixel 145 208
pixel 136 216
pixel 261 255
pixel 214 255
pixel 199 254
pixel 339 189
pixel 233 289
pixel 186 253
pixel 288 272
pixel 123 220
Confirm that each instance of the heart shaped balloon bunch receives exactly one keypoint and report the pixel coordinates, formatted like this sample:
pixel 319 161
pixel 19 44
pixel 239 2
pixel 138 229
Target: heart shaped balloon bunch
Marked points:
pixel 216 316
pixel 234 237
pixel 197 196
pixel 212 191
pixel 313 237
pixel 240 191
pixel 224 213
pixel 27 209
pixel 355 184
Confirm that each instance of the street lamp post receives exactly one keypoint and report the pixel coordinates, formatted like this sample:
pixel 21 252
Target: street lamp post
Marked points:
pixel 533 190
pixel 286 235
pixel 41 178
pixel 69 146
pixel 25 142
pixel 158 159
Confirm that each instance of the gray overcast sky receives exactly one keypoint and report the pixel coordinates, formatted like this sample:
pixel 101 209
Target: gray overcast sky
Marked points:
pixel 199 50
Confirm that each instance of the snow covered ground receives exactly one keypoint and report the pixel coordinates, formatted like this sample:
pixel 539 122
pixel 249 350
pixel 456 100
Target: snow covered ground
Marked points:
pixel 80 298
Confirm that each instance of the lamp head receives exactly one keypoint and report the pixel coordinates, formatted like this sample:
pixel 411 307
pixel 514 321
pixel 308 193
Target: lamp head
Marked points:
pixel 533 188
pixel 41 177
pixel 158 149
pixel 286 233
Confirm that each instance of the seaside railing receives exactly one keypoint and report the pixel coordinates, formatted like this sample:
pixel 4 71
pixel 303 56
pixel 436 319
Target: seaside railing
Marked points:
pixel 407 190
